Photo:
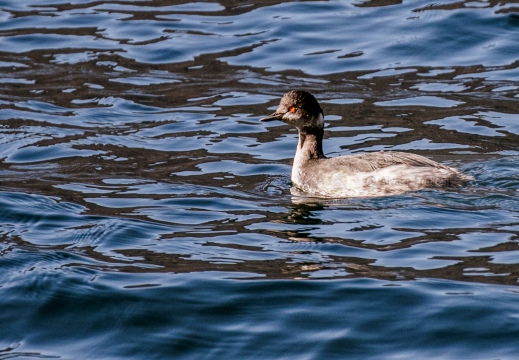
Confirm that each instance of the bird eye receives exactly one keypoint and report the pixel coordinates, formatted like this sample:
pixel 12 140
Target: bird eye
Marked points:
pixel 292 109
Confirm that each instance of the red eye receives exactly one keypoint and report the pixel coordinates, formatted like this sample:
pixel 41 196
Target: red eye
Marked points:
pixel 292 109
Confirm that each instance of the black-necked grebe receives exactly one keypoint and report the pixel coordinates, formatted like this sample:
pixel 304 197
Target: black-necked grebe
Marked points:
pixel 360 175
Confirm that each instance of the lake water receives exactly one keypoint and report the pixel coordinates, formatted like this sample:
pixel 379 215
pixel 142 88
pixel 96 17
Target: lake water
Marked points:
pixel 146 213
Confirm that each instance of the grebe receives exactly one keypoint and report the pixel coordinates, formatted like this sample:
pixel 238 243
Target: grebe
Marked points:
pixel 360 175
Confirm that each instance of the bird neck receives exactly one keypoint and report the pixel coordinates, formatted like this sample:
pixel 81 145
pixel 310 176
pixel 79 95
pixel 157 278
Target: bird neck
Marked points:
pixel 310 145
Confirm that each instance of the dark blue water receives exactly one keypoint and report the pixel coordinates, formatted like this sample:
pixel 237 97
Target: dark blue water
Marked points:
pixel 146 213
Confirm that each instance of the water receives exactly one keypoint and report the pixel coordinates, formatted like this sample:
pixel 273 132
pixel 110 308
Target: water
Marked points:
pixel 145 212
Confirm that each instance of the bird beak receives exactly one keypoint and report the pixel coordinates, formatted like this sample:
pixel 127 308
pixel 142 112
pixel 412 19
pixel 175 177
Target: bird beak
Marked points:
pixel 275 116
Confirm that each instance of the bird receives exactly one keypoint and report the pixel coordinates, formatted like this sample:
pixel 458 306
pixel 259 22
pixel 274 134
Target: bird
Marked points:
pixel 372 174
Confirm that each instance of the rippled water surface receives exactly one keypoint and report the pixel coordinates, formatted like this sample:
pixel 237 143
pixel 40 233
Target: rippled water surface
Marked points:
pixel 146 213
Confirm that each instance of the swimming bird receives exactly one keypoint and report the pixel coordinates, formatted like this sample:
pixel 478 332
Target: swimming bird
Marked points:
pixel 360 175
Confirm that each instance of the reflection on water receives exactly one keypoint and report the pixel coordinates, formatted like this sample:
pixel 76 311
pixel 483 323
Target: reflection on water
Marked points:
pixel 136 176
